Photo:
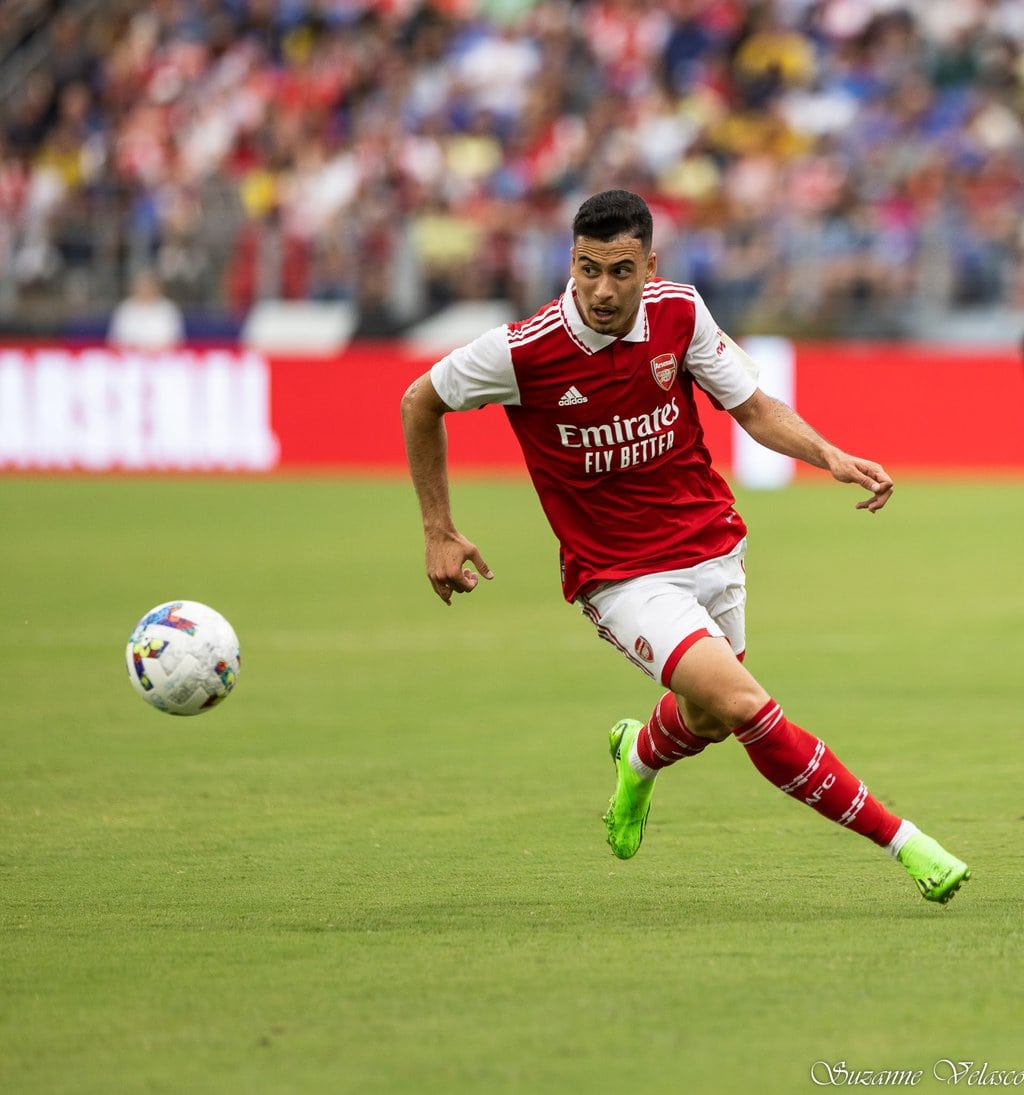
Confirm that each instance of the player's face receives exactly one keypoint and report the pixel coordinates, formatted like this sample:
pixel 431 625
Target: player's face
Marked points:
pixel 610 279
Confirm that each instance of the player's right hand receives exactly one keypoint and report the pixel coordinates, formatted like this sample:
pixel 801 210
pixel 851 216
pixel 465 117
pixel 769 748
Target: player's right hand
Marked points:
pixel 446 566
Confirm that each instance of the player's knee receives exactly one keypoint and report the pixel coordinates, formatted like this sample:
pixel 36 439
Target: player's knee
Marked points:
pixel 703 724
pixel 724 714
pixel 720 693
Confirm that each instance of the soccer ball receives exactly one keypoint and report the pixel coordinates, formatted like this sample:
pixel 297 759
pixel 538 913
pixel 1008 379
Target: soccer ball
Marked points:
pixel 183 658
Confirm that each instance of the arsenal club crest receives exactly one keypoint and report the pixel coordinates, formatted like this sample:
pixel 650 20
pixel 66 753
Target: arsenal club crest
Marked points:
pixel 642 646
pixel 664 367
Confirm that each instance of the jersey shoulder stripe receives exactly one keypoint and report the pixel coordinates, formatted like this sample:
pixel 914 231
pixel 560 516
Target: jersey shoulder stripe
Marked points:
pixel 527 329
pixel 663 290
pixel 536 332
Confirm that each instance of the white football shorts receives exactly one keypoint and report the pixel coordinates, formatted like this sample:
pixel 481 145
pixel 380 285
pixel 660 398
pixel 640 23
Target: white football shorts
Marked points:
pixel 654 619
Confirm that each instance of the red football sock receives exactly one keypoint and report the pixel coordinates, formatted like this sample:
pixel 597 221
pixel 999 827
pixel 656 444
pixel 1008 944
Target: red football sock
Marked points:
pixel 666 738
pixel 804 767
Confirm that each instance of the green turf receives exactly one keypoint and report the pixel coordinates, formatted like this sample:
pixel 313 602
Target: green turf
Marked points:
pixel 380 866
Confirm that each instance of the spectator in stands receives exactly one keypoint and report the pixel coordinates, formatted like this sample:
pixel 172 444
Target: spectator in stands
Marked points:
pixel 146 319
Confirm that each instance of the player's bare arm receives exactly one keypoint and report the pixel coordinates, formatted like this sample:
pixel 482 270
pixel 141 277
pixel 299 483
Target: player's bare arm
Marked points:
pixel 426 445
pixel 777 426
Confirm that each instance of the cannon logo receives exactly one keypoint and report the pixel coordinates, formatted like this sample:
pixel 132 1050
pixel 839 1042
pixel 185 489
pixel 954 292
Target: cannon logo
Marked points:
pixel 664 367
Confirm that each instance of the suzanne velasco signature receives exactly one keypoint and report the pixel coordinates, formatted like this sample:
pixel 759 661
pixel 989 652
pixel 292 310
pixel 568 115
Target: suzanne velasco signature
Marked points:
pixel 945 1071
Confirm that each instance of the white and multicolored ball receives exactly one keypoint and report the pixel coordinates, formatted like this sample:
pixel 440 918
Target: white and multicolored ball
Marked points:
pixel 183 658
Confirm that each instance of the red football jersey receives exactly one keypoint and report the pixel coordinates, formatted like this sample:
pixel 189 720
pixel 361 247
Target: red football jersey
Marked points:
pixel 610 431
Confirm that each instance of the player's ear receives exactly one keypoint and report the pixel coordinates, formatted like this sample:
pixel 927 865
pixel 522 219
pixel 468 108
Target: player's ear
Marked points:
pixel 652 265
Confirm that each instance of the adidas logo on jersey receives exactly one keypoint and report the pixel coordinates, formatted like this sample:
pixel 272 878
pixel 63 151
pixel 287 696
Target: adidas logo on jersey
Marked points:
pixel 572 397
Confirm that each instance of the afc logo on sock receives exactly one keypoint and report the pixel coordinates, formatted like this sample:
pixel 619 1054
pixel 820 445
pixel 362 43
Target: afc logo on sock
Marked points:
pixel 816 795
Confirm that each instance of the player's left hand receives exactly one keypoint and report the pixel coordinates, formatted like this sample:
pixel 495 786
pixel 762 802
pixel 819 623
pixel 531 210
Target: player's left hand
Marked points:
pixel 867 474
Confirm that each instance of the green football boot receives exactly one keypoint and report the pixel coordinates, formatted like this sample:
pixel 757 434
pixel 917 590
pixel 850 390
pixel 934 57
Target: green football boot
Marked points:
pixel 937 873
pixel 631 803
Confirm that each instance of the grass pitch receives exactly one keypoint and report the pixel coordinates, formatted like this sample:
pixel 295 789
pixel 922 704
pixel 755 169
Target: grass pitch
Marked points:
pixel 380 866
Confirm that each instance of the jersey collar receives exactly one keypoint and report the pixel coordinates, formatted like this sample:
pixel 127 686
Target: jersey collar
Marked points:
pixel 586 337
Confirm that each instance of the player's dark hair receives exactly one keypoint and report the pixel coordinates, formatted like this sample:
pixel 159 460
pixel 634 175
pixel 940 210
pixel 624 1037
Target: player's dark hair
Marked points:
pixel 614 213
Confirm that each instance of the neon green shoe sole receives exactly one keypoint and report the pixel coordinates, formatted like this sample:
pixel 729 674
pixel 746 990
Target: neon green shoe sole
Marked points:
pixel 630 806
pixel 938 874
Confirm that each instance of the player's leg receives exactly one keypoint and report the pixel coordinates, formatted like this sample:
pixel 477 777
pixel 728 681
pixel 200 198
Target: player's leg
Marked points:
pixel 787 755
pixel 680 727
pixel 674 731
pixel 650 620
pixel 721 590
pixel 804 767
pixel 653 621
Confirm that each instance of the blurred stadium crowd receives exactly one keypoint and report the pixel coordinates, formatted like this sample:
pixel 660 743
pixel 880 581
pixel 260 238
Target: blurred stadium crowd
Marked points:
pixel 816 166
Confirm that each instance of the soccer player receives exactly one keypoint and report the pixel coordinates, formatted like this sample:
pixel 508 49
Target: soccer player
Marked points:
pixel 599 389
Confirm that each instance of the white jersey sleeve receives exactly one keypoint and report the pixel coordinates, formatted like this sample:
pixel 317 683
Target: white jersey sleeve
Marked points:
pixel 718 365
pixel 478 373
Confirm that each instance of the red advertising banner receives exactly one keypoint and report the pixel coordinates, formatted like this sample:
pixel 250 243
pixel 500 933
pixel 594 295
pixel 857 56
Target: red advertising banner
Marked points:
pixel 347 412
pixel 944 408
pixel 104 410
pixel 935 409
pixel 913 408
